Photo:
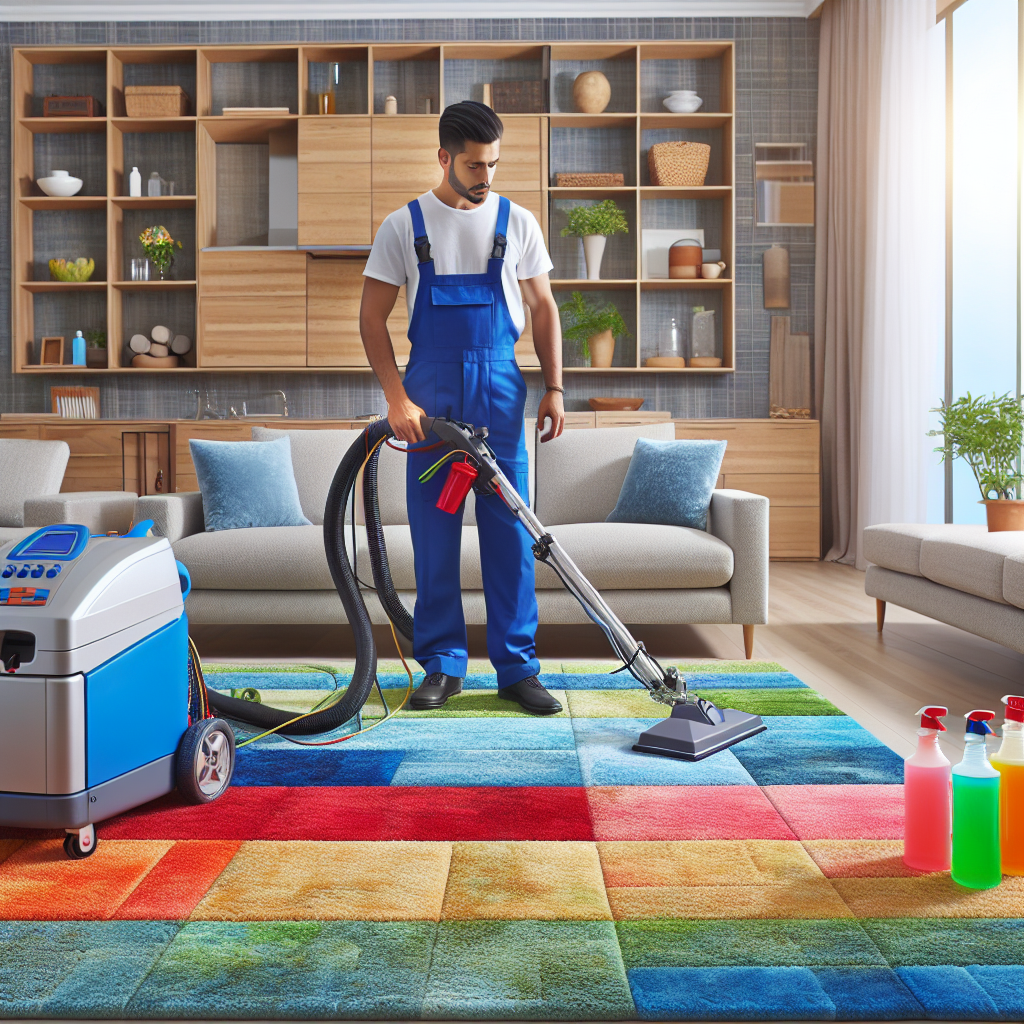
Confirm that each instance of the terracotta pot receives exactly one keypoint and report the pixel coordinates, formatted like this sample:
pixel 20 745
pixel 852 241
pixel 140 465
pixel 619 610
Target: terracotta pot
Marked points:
pixel 1003 513
pixel 602 348
pixel 685 259
pixel 593 252
pixel 591 92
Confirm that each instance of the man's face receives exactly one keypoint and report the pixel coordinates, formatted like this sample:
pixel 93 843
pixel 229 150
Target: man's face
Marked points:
pixel 470 172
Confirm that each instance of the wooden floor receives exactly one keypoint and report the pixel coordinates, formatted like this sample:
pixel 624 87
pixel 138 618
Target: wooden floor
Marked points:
pixel 822 628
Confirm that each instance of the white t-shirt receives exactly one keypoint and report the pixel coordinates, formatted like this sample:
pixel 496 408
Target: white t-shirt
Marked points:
pixel 460 243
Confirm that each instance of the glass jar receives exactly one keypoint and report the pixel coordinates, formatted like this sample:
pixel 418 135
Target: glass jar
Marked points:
pixel 139 270
pixel 702 333
pixel 670 342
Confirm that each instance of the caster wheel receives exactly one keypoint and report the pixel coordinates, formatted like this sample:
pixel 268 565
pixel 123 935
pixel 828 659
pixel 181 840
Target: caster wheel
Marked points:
pixel 81 844
pixel 206 759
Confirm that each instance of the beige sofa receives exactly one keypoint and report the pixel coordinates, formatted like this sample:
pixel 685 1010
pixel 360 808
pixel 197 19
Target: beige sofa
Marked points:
pixel 648 574
pixel 960 575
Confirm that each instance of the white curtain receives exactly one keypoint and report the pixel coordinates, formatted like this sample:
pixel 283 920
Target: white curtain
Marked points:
pixel 879 273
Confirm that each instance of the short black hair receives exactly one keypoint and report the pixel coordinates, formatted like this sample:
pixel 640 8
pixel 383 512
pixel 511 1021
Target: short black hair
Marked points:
pixel 468 121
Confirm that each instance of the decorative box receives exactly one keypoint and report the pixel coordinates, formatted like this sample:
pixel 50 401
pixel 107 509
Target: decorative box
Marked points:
pixel 155 101
pixel 72 106
pixel 582 179
pixel 518 97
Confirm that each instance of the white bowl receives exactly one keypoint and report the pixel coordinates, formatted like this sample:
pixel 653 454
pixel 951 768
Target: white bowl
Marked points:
pixel 60 183
pixel 682 103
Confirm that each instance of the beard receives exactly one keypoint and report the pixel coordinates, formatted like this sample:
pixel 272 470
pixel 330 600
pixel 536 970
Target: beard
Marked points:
pixel 477 194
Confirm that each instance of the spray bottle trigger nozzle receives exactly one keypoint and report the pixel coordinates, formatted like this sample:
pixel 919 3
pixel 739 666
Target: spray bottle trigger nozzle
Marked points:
pixel 930 718
pixel 977 722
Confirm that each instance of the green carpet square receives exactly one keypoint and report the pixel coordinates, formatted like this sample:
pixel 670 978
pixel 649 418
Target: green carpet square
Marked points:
pixel 961 942
pixel 773 943
pixel 637 704
pixel 527 970
pixel 290 969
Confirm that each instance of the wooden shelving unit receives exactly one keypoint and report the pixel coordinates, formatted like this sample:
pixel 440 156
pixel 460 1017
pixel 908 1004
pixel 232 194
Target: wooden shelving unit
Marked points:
pixel 274 311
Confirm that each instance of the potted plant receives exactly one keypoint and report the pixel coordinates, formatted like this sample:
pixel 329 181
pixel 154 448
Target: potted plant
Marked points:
pixel 591 329
pixel 986 433
pixel 96 349
pixel 594 224
pixel 158 246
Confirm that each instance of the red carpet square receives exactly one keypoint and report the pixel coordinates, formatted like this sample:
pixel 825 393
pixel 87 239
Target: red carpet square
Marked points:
pixel 684 812
pixel 840 812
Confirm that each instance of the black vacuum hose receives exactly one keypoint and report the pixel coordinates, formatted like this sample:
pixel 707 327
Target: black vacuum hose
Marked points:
pixel 365 671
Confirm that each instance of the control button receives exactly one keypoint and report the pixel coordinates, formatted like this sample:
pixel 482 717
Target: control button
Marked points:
pixel 57 569
pixel 8 572
pixel 50 573
pixel 22 572
pixel 37 572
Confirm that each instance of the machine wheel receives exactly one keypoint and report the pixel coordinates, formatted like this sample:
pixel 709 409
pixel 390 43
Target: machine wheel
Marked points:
pixel 206 759
pixel 81 844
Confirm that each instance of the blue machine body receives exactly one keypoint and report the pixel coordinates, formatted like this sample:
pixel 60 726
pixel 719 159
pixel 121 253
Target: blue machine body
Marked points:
pixel 94 687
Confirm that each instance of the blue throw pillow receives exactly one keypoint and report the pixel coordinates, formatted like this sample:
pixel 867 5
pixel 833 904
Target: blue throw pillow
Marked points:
pixel 669 483
pixel 247 483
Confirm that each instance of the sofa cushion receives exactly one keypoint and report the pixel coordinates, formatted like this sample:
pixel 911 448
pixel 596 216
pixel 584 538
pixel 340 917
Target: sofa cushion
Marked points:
pixel 897 546
pixel 28 469
pixel 1013 580
pixel 315 458
pixel 613 556
pixel 970 559
pixel 580 473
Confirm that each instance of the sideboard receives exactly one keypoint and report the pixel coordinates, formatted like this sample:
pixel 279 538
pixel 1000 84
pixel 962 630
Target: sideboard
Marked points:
pixel 776 458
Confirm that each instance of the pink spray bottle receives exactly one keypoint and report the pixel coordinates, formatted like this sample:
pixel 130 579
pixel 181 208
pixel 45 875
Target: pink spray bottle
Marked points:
pixel 928 815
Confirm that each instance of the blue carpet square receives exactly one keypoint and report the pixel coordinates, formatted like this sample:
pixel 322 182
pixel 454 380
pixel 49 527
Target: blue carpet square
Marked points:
pixel 729 993
pixel 489 768
pixel 800 750
pixel 277 680
pixel 948 993
pixel 607 758
pixel 868 993
pixel 744 681
pixel 313 766
pixel 1005 987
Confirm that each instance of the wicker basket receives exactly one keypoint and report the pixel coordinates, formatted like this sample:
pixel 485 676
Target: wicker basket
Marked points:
pixel 155 101
pixel 582 179
pixel 678 163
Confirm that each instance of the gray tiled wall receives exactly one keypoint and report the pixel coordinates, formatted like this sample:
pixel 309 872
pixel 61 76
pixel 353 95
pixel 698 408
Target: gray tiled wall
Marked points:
pixel 776 100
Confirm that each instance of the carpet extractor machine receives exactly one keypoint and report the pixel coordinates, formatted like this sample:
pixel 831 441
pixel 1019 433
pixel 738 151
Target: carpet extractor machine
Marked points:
pixel 695 728
pixel 102 702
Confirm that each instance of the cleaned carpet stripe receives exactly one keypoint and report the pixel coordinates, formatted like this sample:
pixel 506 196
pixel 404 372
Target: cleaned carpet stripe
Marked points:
pixel 315 766
pixel 840 812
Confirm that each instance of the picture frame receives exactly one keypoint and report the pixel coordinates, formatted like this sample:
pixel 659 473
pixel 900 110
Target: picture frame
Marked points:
pixel 51 351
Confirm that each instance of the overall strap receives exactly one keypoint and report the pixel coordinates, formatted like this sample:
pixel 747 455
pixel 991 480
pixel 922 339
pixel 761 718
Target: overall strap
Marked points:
pixel 501 229
pixel 419 231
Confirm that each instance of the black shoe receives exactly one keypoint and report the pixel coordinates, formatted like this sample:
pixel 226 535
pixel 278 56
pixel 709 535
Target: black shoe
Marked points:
pixel 530 695
pixel 434 691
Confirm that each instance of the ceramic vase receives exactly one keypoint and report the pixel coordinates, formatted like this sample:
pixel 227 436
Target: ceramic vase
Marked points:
pixel 602 348
pixel 1003 514
pixel 593 252
pixel 591 92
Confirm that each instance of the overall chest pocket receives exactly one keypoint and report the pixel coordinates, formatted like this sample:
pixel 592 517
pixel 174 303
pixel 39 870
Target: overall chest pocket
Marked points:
pixel 463 315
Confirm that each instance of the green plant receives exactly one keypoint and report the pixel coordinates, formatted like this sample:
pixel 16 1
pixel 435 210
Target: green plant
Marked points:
pixel 158 246
pixel 986 433
pixel 603 219
pixel 96 338
pixel 581 320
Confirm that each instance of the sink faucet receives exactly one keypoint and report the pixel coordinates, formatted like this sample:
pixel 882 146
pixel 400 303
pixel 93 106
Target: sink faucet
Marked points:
pixel 284 401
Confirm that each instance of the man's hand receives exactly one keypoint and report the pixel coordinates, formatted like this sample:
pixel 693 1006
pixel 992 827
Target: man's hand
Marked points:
pixel 404 417
pixel 551 408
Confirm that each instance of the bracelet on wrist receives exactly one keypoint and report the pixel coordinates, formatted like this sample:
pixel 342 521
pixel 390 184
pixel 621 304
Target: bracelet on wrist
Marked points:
pixel 555 387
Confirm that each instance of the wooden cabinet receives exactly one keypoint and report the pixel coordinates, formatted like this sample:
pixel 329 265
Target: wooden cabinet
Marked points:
pixel 781 460
pixel 146 457
pixel 95 463
pixel 520 164
pixel 237 330
pixel 334 181
pixel 404 154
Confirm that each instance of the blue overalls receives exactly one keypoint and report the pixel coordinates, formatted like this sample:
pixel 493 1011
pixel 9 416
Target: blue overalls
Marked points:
pixel 462 366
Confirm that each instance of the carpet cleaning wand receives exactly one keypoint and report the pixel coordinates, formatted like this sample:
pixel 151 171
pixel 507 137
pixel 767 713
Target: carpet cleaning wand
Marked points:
pixel 696 727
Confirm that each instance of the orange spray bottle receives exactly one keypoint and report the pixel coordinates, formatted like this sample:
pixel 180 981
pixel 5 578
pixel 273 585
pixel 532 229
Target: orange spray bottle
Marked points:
pixel 926 795
pixel 1009 762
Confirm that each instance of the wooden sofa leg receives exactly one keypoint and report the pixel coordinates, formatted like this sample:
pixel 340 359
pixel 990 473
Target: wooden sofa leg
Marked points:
pixel 748 641
pixel 879 613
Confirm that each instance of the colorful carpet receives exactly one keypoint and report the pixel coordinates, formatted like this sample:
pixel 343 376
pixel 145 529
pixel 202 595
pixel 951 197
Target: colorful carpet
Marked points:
pixel 478 863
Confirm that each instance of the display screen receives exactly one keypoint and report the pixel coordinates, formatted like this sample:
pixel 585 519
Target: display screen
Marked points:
pixel 54 544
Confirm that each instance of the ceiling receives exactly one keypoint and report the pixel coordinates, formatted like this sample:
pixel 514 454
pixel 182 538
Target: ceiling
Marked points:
pixel 300 10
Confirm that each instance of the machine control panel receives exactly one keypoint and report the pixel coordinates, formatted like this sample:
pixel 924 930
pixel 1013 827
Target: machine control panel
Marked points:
pixel 44 554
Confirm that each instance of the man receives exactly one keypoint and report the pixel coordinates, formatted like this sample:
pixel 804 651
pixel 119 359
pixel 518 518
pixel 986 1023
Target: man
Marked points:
pixel 462 253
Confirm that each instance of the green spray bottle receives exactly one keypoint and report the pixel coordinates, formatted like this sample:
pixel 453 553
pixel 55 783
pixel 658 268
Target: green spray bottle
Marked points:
pixel 976 860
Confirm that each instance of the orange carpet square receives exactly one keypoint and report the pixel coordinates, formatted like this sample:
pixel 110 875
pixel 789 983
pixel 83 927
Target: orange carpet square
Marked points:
pixel 934 895
pixel 538 881
pixel 173 889
pixel 860 858
pixel 38 882
pixel 330 881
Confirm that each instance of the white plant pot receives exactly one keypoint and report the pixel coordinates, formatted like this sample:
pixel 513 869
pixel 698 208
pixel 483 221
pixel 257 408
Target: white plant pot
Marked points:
pixel 593 251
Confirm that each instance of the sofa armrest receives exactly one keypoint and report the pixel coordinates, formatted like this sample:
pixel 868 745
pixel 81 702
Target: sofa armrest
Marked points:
pixel 741 520
pixel 174 515
pixel 100 511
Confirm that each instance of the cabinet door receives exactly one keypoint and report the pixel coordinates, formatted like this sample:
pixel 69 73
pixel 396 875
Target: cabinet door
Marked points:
pixel 252 309
pixel 185 478
pixel 95 461
pixel 334 154
pixel 334 218
pixel 333 292
pixel 147 462
pixel 405 154
pixel 519 167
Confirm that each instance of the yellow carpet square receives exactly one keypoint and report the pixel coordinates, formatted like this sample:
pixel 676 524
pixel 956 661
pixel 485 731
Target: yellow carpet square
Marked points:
pixel 614 704
pixel 347 881
pixel 935 895
pixel 525 881
pixel 716 862
pixel 860 858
